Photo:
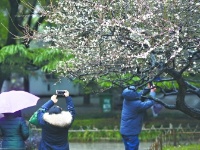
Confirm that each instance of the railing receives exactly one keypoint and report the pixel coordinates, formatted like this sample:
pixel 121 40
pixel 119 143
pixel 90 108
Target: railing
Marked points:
pixel 169 135
pixel 177 136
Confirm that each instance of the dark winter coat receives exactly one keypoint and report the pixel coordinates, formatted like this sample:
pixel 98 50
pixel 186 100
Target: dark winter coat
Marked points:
pixel 133 111
pixel 55 126
pixel 14 131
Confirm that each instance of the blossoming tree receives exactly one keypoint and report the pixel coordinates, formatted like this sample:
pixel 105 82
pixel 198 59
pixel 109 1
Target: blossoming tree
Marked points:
pixel 127 42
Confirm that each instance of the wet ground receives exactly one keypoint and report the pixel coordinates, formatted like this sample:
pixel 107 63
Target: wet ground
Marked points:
pixel 104 146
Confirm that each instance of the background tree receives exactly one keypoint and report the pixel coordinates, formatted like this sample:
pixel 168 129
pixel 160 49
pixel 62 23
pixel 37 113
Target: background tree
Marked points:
pixel 17 18
pixel 128 42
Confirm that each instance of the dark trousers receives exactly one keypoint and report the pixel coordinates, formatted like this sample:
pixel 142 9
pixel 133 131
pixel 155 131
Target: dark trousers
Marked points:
pixel 131 142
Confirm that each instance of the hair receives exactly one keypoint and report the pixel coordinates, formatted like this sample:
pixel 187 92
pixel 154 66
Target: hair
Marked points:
pixel 15 114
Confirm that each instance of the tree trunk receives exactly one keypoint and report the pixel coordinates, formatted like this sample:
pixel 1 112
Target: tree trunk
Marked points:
pixel 1 82
pixel 26 83
pixel 3 77
pixel 13 23
pixel 86 99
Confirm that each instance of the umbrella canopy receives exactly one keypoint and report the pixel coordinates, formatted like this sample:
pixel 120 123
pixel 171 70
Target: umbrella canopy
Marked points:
pixel 13 101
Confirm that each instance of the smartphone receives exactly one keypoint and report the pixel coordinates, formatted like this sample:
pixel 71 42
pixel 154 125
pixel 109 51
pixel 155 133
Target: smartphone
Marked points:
pixel 60 92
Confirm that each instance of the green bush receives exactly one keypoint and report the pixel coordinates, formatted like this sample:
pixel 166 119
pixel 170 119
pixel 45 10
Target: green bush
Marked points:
pixel 94 136
pixel 147 136
pixel 100 123
pixel 107 135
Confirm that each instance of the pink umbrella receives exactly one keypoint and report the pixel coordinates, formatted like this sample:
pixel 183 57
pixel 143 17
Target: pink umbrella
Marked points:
pixel 16 100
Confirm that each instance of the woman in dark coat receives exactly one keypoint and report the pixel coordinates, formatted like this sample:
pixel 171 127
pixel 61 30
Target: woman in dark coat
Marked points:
pixel 14 130
pixel 55 123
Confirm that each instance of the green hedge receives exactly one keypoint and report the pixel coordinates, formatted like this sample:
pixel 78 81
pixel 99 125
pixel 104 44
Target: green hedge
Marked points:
pixel 94 136
pixel 108 135
pixel 100 123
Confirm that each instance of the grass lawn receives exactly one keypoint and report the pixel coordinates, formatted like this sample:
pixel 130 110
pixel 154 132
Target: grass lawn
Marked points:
pixel 183 147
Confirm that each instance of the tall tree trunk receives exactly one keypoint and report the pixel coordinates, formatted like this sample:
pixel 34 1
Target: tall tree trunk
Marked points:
pixel 3 77
pixel 26 83
pixel 86 99
pixel 12 22
pixel 1 81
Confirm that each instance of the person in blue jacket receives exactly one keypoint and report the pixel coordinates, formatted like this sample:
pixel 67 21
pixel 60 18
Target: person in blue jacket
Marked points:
pixel 14 131
pixel 133 112
pixel 55 123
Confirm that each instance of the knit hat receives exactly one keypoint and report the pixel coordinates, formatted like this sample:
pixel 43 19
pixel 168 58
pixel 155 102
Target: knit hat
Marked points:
pixel 55 110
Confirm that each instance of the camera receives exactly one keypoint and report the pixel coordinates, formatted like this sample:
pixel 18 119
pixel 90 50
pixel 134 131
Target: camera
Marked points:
pixel 60 92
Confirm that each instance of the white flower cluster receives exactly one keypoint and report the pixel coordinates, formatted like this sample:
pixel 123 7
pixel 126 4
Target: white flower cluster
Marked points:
pixel 117 37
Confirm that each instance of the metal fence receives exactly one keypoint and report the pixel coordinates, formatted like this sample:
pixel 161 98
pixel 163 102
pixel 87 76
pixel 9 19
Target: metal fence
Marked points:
pixel 170 135
pixel 177 136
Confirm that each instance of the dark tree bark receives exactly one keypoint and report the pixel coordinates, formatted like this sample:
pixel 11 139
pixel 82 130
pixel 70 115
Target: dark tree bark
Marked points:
pixel 86 99
pixel 13 21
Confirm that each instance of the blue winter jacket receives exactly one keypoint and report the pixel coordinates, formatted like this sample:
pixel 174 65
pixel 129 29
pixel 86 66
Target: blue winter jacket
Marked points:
pixel 133 111
pixel 55 126
pixel 14 131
